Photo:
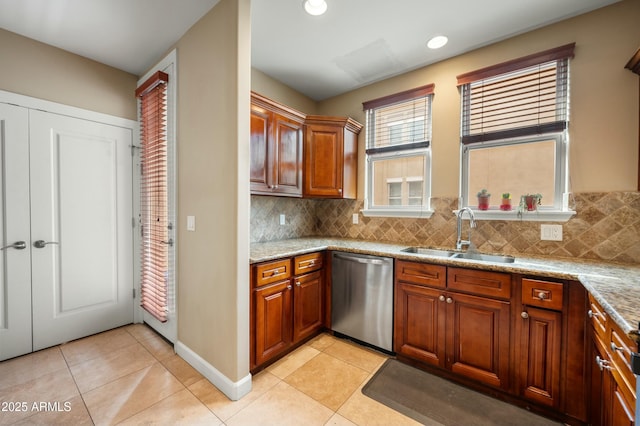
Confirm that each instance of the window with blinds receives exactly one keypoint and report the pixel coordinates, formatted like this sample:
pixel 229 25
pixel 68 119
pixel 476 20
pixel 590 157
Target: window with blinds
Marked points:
pixel 399 122
pixel 514 125
pixel 154 195
pixel 524 97
pixel 398 138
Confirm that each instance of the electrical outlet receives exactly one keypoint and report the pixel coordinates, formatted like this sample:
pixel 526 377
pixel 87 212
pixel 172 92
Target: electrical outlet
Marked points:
pixel 551 232
pixel 191 223
pixel 283 219
pixel 355 218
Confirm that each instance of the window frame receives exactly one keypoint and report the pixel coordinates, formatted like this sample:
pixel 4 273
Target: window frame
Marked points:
pixel 168 329
pixel 394 152
pixel 560 210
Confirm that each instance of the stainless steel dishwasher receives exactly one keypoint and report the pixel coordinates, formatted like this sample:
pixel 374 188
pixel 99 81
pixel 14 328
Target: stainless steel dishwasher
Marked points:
pixel 362 298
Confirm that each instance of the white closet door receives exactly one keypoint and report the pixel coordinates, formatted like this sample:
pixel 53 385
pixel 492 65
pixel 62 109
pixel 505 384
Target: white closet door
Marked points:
pixel 81 227
pixel 15 262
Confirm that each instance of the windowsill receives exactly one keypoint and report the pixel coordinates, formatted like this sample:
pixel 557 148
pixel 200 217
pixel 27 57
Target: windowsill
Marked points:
pixel 535 216
pixel 406 213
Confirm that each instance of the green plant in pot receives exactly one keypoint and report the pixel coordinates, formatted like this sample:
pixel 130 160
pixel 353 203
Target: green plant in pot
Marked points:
pixel 529 203
pixel 505 203
pixel 483 199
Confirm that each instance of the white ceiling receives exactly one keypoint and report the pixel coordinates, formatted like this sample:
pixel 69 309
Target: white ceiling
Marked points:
pixel 355 43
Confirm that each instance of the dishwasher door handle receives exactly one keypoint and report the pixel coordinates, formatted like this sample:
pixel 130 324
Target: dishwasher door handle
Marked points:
pixel 361 260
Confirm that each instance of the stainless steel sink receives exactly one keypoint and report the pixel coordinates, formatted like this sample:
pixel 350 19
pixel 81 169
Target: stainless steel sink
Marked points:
pixel 460 255
pixel 484 257
pixel 429 251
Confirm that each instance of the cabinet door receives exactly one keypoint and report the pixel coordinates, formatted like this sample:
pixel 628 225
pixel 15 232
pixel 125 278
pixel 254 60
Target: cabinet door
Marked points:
pixel 323 158
pixel 540 346
pixel 419 323
pixel 273 320
pixel 308 297
pixel 288 162
pixel 262 154
pixel 598 383
pixel 478 338
pixel 621 411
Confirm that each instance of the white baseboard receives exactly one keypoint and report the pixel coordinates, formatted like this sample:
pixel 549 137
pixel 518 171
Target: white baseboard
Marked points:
pixel 233 390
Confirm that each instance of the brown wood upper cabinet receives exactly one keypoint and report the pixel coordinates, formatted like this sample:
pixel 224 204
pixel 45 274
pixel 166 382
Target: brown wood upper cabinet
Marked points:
pixel 276 148
pixel 331 157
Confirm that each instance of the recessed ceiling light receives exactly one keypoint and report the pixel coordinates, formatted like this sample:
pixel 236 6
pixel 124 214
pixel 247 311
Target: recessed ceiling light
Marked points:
pixel 315 7
pixel 437 42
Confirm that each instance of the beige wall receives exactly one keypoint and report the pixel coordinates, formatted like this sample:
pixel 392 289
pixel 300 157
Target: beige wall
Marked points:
pixel 213 170
pixel 604 99
pixel 275 90
pixel 45 72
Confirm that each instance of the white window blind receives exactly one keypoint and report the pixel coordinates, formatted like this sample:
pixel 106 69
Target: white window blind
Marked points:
pixel 399 122
pixel 154 196
pixel 523 97
pixel 398 134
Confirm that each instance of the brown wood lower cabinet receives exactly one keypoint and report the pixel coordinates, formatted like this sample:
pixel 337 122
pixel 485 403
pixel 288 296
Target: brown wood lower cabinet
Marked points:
pixel 286 308
pixel 520 338
pixel 613 398
pixel 308 312
pixel 464 333
pixel 540 350
pixel 272 320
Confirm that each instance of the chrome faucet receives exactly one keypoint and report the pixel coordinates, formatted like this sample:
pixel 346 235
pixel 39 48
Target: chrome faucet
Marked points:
pixel 472 224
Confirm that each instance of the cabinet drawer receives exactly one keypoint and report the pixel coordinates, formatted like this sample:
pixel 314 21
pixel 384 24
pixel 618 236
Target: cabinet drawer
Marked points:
pixel 620 347
pixel 484 283
pixel 598 318
pixel 543 294
pixel 421 273
pixel 269 272
pixel 308 263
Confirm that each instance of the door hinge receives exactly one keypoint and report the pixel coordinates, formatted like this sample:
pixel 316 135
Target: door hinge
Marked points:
pixel 134 293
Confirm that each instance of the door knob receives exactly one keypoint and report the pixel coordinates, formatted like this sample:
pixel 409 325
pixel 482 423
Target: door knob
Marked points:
pixel 18 245
pixel 42 243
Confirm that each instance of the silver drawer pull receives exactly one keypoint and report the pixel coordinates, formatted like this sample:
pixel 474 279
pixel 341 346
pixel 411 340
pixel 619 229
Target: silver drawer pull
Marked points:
pixel 616 348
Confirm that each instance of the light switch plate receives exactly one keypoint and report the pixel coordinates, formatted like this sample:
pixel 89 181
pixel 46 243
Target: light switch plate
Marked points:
pixel 283 219
pixel 355 218
pixel 551 232
pixel 191 223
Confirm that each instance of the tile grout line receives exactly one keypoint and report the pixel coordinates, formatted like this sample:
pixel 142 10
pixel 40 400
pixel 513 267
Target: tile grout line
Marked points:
pixel 76 384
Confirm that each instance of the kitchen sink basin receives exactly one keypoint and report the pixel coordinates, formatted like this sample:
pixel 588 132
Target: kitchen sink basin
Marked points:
pixel 484 257
pixel 429 252
pixel 460 255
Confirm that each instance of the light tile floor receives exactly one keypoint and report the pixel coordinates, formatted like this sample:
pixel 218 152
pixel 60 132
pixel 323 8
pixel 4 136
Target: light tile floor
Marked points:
pixel 132 376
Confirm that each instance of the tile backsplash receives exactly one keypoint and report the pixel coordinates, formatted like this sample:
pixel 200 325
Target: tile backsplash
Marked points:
pixel 606 226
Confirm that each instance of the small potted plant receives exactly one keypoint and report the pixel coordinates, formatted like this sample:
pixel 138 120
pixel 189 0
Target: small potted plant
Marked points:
pixel 529 203
pixel 483 199
pixel 505 204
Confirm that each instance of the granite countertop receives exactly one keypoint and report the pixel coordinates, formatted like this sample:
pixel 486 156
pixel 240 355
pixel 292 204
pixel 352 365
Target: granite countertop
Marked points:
pixel 615 286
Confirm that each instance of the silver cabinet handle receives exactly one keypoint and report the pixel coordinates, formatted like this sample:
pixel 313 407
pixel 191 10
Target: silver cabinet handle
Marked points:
pixel 441 298
pixel 449 300
pixel 524 315
pixel 616 348
pixel 43 243
pixel 18 245
pixel 603 364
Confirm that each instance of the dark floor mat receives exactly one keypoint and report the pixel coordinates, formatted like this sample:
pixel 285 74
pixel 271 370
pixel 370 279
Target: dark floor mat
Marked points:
pixel 428 399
